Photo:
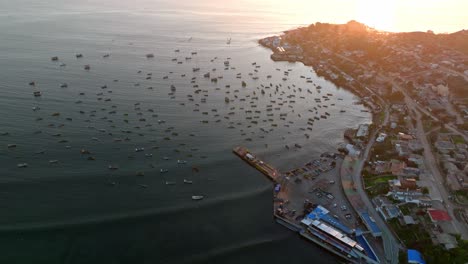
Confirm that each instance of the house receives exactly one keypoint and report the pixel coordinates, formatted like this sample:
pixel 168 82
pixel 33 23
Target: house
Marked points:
pixel 406 190
pixel 381 137
pixel 397 166
pixel 438 215
pixel 410 172
pixel 403 136
pixel 408 220
pixel 415 257
pixel 363 130
pixel 382 167
pixel 444 146
pixel 386 208
pixel 418 159
pixel 402 148
pixel 448 241
pixel 415 145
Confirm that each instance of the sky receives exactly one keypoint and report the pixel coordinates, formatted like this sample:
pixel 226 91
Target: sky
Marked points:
pixel 441 16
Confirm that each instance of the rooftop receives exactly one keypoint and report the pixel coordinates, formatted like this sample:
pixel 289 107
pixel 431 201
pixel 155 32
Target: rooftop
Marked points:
pixel 438 215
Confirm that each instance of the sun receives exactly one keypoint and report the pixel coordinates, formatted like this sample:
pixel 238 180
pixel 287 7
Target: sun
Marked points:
pixel 378 14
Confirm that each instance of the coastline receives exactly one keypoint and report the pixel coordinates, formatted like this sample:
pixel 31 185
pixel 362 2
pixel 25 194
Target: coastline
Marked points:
pixel 295 54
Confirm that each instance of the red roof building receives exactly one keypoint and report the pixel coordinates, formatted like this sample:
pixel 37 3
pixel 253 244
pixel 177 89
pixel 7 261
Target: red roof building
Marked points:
pixel 438 215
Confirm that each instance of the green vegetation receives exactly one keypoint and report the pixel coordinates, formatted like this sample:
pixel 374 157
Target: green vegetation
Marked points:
pixel 444 130
pixel 377 185
pixel 463 126
pixel 406 208
pixel 384 150
pixel 462 196
pixel 417 237
pixel 425 190
pixel 457 139
pixel 370 181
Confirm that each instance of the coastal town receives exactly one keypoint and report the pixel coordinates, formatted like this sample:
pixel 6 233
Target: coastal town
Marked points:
pixel 405 175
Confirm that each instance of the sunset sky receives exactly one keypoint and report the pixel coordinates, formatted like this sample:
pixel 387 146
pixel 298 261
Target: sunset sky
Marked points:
pixel 391 15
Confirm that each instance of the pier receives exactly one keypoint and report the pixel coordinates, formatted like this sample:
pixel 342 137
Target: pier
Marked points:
pixel 307 201
pixel 268 170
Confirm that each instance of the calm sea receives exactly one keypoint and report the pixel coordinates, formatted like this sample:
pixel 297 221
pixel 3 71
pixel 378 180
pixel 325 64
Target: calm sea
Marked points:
pixel 66 208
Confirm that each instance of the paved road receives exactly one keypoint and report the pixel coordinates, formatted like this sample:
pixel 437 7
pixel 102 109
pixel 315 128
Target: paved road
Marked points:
pixel 391 245
pixel 432 166
pixel 354 167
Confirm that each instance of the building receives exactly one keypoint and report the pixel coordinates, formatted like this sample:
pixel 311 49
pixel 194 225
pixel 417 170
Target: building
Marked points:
pixel 381 137
pixel 369 222
pixel 386 208
pixel 415 257
pixel 408 220
pixel 438 215
pixel 402 148
pixel 444 146
pixel 363 131
pixel 448 241
pixel 397 166
pixel 406 190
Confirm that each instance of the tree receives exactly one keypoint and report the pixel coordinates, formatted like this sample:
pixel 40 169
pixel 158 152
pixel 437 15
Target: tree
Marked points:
pixel 425 190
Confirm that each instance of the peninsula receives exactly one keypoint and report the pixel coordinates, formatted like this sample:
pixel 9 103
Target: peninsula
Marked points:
pixel 405 175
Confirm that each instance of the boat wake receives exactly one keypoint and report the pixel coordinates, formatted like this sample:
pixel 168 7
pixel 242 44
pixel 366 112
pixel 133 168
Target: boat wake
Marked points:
pixel 187 207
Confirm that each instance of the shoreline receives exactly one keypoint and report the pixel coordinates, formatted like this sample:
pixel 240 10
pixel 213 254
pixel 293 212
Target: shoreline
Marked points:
pixel 316 218
pixel 294 55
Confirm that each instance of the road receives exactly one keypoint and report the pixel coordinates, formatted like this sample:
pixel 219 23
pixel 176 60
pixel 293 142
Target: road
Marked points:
pixel 354 168
pixel 431 165
pixel 391 244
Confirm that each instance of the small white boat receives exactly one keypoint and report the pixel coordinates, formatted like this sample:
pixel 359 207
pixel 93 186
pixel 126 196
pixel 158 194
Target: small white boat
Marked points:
pixel 163 170
pixel 22 165
pixel 197 197
pixel 139 149
pixel 181 162
pixel 170 182
pixel 187 181
pixel 112 167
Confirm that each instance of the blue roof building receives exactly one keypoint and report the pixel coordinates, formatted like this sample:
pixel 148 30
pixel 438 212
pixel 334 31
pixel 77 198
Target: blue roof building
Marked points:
pixel 370 224
pixel 415 257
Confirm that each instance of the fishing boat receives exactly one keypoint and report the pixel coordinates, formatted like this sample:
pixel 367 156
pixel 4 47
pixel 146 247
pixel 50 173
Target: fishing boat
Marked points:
pixel 197 197
pixel 112 167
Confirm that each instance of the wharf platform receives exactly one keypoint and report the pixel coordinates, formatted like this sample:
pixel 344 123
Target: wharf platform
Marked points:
pixel 297 193
pixel 268 170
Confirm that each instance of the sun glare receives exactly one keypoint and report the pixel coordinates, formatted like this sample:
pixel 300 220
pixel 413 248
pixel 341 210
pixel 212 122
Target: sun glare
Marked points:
pixel 379 14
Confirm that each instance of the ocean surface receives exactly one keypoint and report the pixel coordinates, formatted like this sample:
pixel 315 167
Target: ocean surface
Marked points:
pixel 67 206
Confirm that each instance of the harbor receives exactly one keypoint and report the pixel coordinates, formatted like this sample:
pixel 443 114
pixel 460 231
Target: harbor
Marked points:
pixel 307 201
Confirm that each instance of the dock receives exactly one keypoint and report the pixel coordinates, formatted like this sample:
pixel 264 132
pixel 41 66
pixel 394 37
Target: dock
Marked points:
pixel 298 206
pixel 268 170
